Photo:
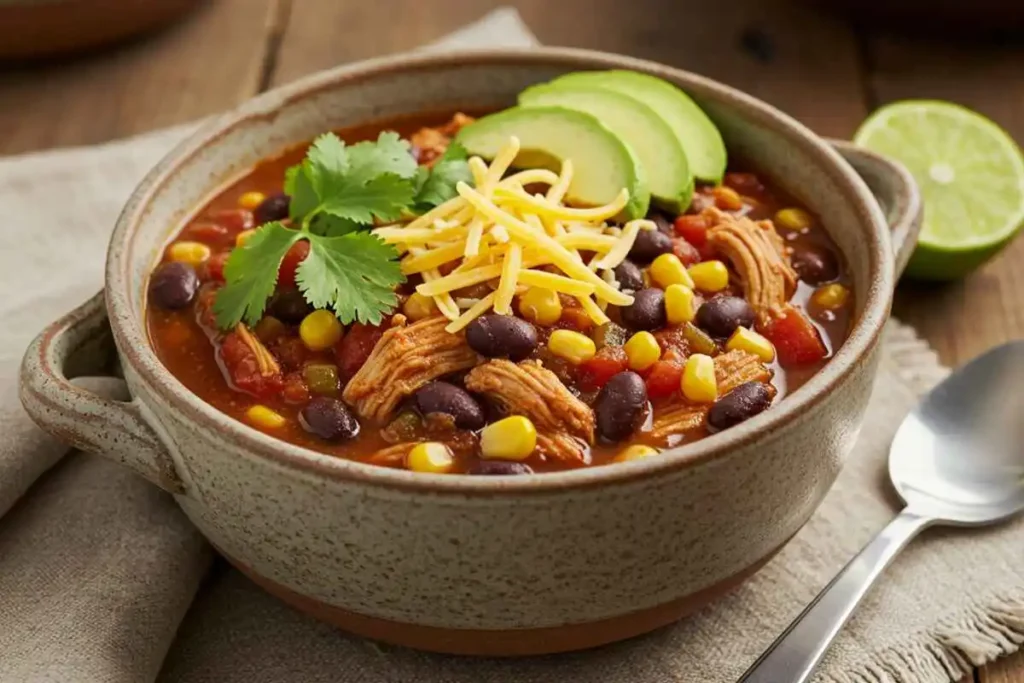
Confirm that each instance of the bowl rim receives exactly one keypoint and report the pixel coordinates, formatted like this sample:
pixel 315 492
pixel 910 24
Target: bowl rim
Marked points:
pixel 134 345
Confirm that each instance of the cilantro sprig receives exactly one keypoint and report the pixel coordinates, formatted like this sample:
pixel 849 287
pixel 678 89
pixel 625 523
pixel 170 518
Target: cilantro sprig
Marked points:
pixel 337 194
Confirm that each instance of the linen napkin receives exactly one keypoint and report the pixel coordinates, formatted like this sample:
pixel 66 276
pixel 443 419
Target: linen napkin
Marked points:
pixel 101 575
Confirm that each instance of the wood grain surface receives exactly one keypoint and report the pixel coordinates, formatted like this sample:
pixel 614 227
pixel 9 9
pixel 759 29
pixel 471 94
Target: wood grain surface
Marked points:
pixel 822 68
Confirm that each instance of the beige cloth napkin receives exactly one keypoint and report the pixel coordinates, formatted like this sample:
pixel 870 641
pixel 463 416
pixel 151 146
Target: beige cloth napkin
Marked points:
pixel 100 574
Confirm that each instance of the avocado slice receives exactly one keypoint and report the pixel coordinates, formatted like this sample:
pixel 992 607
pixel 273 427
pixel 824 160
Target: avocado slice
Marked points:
pixel 702 141
pixel 602 163
pixel 636 124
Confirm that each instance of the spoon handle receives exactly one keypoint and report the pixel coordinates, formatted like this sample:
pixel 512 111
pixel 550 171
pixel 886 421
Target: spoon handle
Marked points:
pixel 795 654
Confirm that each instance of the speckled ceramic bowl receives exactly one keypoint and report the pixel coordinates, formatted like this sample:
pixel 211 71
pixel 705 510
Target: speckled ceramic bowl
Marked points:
pixel 507 565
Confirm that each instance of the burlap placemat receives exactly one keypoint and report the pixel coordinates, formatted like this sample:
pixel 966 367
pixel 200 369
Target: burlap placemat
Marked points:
pixel 101 575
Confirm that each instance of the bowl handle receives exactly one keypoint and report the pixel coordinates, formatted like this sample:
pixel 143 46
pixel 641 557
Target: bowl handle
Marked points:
pixel 81 345
pixel 897 193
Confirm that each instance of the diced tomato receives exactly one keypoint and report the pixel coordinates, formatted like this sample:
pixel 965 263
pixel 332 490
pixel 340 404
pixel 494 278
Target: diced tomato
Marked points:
pixel 290 352
pixel 204 307
pixel 234 220
pixel 355 347
pixel 595 373
pixel 663 377
pixel 672 340
pixel 574 319
pixel 215 266
pixel 694 229
pixel 243 369
pixel 295 389
pixel 796 339
pixel 211 233
pixel 744 183
pixel 685 252
pixel 290 263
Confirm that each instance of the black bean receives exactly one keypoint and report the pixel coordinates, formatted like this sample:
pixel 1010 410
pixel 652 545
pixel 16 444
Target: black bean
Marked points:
pixel 629 276
pixel 173 285
pixel 742 403
pixel 499 467
pixel 815 265
pixel 649 245
pixel 647 311
pixel 499 336
pixel 442 397
pixel 273 208
pixel 721 315
pixel 620 406
pixel 663 222
pixel 289 306
pixel 329 419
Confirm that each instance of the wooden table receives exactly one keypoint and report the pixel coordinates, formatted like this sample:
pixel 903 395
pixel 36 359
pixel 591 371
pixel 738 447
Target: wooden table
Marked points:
pixel 819 68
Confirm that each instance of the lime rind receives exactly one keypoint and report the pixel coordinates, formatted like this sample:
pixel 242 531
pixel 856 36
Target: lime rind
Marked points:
pixel 970 172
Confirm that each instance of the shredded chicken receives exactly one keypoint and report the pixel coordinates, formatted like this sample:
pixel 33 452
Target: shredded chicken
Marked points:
pixel 403 360
pixel 739 367
pixel 392 456
pixel 565 425
pixel 759 256
pixel 432 142
pixel 731 370
pixel 265 360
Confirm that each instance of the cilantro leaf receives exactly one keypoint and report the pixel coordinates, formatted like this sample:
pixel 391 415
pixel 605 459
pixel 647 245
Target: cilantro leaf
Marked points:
pixel 381 197
pixel 326 225
pixel 354 274
pixel 303 197
pixel 251 275
pixel 439 187
pixel 455 151
pixel 327 165
pixel 435 186
pixel 389 154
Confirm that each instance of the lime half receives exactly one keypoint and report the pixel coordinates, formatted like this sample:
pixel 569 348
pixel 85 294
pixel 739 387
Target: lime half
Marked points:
pixel 971 175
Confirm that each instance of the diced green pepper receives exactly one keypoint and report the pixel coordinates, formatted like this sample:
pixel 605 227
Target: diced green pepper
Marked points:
pixel 322 378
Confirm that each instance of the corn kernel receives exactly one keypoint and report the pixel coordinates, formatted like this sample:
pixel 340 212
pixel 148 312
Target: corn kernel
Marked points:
pixel 635 452
pixel 831 297
pixel 192 253
pixel 667 270
pixel 698 382
pixel 320 330
pixel 264 418
pixel 243 237
pixel 710 276
pixel 793 219
pixel 512 438
pixel 752 342
pixel 679 306
pixel 542 306
pixel 642 350
pixel 430 456
pixel 418 307
pixel 572 346
pixel 727 199
pixel 250 200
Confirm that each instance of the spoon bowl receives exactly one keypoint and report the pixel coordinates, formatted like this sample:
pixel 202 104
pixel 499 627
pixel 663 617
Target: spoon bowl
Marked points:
pixel 959 456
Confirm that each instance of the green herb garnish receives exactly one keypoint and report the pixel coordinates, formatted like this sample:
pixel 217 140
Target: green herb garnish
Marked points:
pixel 337 193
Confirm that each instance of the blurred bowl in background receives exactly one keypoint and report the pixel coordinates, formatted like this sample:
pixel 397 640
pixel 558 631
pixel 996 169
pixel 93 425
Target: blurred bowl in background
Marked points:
pixel 952 16
pixel 37 28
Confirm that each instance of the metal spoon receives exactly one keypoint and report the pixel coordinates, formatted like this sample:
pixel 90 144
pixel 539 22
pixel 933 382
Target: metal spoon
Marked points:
pixel 957 459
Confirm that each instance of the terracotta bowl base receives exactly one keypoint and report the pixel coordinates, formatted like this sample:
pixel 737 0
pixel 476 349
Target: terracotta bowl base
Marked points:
pixel 510 642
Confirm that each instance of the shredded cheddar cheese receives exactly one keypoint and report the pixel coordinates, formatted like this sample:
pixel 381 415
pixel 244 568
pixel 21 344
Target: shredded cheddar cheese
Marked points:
pixel 503 230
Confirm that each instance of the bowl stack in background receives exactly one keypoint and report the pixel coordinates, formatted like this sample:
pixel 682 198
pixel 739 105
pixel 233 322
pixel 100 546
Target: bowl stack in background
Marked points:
pixel 949 16
pixel 38 28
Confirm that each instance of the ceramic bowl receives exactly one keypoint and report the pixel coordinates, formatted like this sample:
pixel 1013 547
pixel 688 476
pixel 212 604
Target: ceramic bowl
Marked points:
pixel 498 566
pixel 36 28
